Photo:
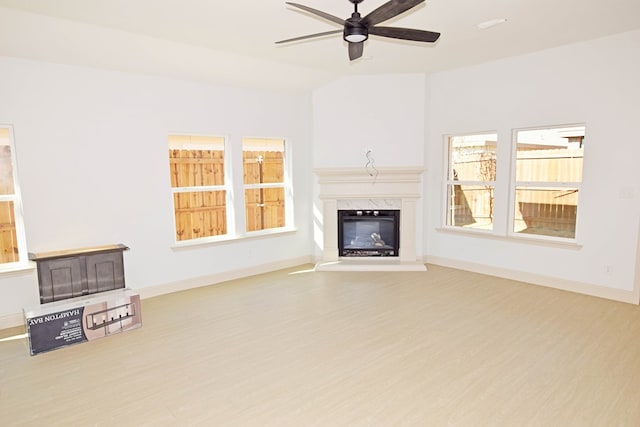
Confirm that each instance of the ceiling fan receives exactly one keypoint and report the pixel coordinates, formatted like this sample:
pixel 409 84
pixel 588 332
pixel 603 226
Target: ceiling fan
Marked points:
pixel 356 29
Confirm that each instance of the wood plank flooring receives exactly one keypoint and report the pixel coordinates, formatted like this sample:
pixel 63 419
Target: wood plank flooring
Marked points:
pixel 301 348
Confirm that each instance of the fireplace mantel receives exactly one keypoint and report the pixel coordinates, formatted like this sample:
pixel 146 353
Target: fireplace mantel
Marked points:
pixel 366 188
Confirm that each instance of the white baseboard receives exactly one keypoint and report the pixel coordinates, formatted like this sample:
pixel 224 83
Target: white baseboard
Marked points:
pixel 212 279
pixel 632 297
pixel 11 321
pixel 14 320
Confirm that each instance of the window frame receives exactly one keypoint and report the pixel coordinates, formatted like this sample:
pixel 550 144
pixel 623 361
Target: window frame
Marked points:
pixel 234 186
pixel 286 185
pixel 16 198
pixel 450 181
pixel 514 185
pixel 227 187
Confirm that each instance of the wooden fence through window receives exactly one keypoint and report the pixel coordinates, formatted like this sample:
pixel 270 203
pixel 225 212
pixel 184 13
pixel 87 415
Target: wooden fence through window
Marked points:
pixel 8 235
pixel 203 213
pixel 538 210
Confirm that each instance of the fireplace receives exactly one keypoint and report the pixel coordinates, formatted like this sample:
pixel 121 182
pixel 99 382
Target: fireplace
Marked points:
pixel 355 189
pixel 364 233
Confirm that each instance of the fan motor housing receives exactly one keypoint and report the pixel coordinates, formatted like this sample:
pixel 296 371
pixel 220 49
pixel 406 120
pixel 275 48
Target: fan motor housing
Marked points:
pixel 354 30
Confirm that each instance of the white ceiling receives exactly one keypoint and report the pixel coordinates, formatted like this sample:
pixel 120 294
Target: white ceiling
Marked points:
pixel 192 32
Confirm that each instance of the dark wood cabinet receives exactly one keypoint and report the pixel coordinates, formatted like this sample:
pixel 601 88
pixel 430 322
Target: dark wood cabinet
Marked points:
pixel 72 273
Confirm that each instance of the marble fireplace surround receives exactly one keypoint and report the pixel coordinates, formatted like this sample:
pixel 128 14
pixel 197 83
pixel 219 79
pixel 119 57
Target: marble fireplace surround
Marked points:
pixel 360 188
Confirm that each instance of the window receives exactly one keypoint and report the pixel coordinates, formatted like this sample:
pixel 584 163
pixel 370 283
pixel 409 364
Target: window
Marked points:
pixel 548 174
pixel 540 197
pixel 12 236
pixel 203 186
pixel 200 189
pixel 266 183
pixel 471 176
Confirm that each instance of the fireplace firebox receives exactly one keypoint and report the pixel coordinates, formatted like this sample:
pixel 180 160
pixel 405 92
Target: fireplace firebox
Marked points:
pixel 364 233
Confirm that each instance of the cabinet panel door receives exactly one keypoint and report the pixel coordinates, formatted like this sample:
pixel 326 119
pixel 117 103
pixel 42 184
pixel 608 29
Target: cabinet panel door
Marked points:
pixel 60 279
pixel 105 272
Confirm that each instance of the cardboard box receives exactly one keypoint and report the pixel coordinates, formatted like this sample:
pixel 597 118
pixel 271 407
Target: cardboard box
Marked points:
pixel 72 321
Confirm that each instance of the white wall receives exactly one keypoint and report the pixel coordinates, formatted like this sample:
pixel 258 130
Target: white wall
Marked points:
pixel 594 82
pixel 93 167
pixel 384 113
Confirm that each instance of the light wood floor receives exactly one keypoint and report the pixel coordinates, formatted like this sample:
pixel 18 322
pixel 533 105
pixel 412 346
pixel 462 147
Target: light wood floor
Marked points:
pixel 297 348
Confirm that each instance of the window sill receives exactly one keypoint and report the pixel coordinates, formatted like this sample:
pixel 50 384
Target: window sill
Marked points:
pixel 530 239
pixel 233 238
pixel 17 269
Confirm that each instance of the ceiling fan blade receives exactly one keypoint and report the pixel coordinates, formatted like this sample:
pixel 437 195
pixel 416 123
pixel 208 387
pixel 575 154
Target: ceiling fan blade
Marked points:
pixel 355 50
pixel 326 33
pixel 389 10
pixel 405 34
pixel 318 12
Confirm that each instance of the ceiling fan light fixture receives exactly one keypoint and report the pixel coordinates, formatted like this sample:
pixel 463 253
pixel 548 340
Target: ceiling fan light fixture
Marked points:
pixel 355 33
pixel 355 38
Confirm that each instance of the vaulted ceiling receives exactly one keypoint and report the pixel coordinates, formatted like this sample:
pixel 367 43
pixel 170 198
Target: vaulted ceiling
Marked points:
pixel 203 39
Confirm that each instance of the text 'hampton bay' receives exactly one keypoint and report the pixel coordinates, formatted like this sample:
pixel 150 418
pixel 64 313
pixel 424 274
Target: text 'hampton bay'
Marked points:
pixel 54 316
